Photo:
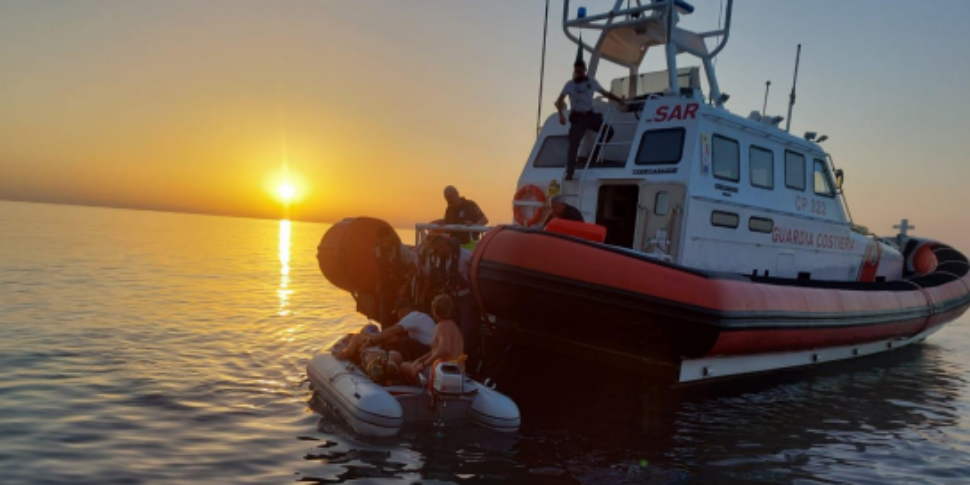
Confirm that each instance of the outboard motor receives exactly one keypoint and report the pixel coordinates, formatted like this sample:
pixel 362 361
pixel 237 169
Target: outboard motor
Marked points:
pixel 446 388
pixel 447 379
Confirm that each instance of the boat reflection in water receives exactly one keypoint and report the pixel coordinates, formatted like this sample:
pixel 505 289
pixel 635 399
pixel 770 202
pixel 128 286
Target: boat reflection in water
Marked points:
pixel 833 422
pixel 800 424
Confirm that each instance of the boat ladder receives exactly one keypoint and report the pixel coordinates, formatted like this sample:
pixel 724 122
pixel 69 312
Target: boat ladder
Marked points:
pixel 600 144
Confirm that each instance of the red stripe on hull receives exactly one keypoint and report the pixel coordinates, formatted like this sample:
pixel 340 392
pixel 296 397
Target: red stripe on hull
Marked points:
pixel 567 259
pixel 776 340
pixel 746 317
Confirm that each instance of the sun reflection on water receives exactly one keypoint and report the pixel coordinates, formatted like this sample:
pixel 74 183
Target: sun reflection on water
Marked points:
pixel 284 251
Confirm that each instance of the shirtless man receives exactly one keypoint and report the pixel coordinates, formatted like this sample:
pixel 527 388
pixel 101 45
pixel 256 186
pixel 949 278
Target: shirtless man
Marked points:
pixel 447 343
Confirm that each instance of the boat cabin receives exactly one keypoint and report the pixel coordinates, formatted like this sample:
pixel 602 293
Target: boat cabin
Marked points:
pixel 685 180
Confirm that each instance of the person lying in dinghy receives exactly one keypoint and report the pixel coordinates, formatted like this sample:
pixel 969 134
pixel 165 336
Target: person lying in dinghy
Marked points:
pixel 411 336
pixel 447 345
pixel 381 366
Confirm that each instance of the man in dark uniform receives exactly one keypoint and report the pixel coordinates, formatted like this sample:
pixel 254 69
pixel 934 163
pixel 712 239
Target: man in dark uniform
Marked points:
pixel 559 209
pixel 461 211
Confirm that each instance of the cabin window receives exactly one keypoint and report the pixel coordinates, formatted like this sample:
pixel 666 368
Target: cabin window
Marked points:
pixel 758 224
pixel 761 164
pixel 794 170
pixel 553 153
pixel 727 159
pixel 660 203
pixel 823 181
pixel 661 147
pixel 724 219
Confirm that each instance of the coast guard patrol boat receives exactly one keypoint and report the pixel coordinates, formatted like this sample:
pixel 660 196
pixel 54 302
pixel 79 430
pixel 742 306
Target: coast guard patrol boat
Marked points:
pixel 714 244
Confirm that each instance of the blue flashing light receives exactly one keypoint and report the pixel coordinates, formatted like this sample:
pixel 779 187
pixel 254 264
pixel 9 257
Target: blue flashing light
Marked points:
pixel 581 13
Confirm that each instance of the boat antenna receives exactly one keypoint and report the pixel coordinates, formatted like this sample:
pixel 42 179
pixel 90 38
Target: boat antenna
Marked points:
pixel 791 99
pixel 720 16
pixel 764 108
pixel 542 71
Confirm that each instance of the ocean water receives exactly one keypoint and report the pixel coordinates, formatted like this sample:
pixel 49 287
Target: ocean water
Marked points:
pixel 144 347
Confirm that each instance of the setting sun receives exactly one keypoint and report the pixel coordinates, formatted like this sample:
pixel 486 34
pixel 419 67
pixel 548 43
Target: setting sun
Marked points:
pixel 286 191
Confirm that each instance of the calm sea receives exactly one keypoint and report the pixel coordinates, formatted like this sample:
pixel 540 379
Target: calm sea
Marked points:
pixel 143 347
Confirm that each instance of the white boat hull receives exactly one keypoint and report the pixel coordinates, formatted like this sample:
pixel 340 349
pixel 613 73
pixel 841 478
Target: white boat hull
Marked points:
pixel 696 370
pixel 375 410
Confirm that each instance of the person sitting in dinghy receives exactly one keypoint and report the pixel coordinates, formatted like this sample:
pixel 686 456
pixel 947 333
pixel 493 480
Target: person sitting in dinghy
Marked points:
pixel 447 345
pixel 382 366
pixel 453 273
pixel 411 336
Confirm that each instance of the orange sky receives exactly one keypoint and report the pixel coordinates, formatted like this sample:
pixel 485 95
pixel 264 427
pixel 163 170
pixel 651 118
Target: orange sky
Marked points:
pixel 185 105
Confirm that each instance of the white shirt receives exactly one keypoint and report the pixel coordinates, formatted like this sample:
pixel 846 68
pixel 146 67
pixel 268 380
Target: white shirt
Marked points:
pixel 581 94
pixel 420 327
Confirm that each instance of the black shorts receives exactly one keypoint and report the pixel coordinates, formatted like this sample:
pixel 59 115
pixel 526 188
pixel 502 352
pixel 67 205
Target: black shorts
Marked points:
pixel 411 349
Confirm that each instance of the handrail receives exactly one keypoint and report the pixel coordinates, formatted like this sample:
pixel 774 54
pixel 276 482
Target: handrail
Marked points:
pixel 596 142
pixel 726 30
pixel 845 201
pixel 668 7
pixel 608 122
pixel 421 228
pixel 611 14
pixel 586 22
pixel 452 227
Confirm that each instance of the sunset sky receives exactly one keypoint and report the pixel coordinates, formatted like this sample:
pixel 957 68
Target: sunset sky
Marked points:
pixel 192 105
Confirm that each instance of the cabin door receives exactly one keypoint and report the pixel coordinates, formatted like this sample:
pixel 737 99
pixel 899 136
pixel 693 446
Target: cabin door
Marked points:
pixel 616 210
pixel 661 214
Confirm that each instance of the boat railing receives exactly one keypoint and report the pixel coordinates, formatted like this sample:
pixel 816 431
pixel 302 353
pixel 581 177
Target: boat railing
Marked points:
pixel 663 14
pixel 423 230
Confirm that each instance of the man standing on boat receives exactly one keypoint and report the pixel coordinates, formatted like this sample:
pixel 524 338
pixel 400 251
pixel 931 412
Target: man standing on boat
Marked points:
pixel 463 212
pixel 582 118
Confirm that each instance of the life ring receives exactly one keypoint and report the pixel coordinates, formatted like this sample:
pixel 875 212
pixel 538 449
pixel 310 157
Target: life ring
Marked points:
pixel 522 201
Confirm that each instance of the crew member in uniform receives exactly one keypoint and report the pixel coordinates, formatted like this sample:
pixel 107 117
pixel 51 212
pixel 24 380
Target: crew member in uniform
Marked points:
pixel 464 212
pixel 582 118
pixel 559 209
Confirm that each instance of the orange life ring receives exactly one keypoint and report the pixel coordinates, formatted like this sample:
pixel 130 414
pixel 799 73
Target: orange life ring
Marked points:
pixel 525 193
